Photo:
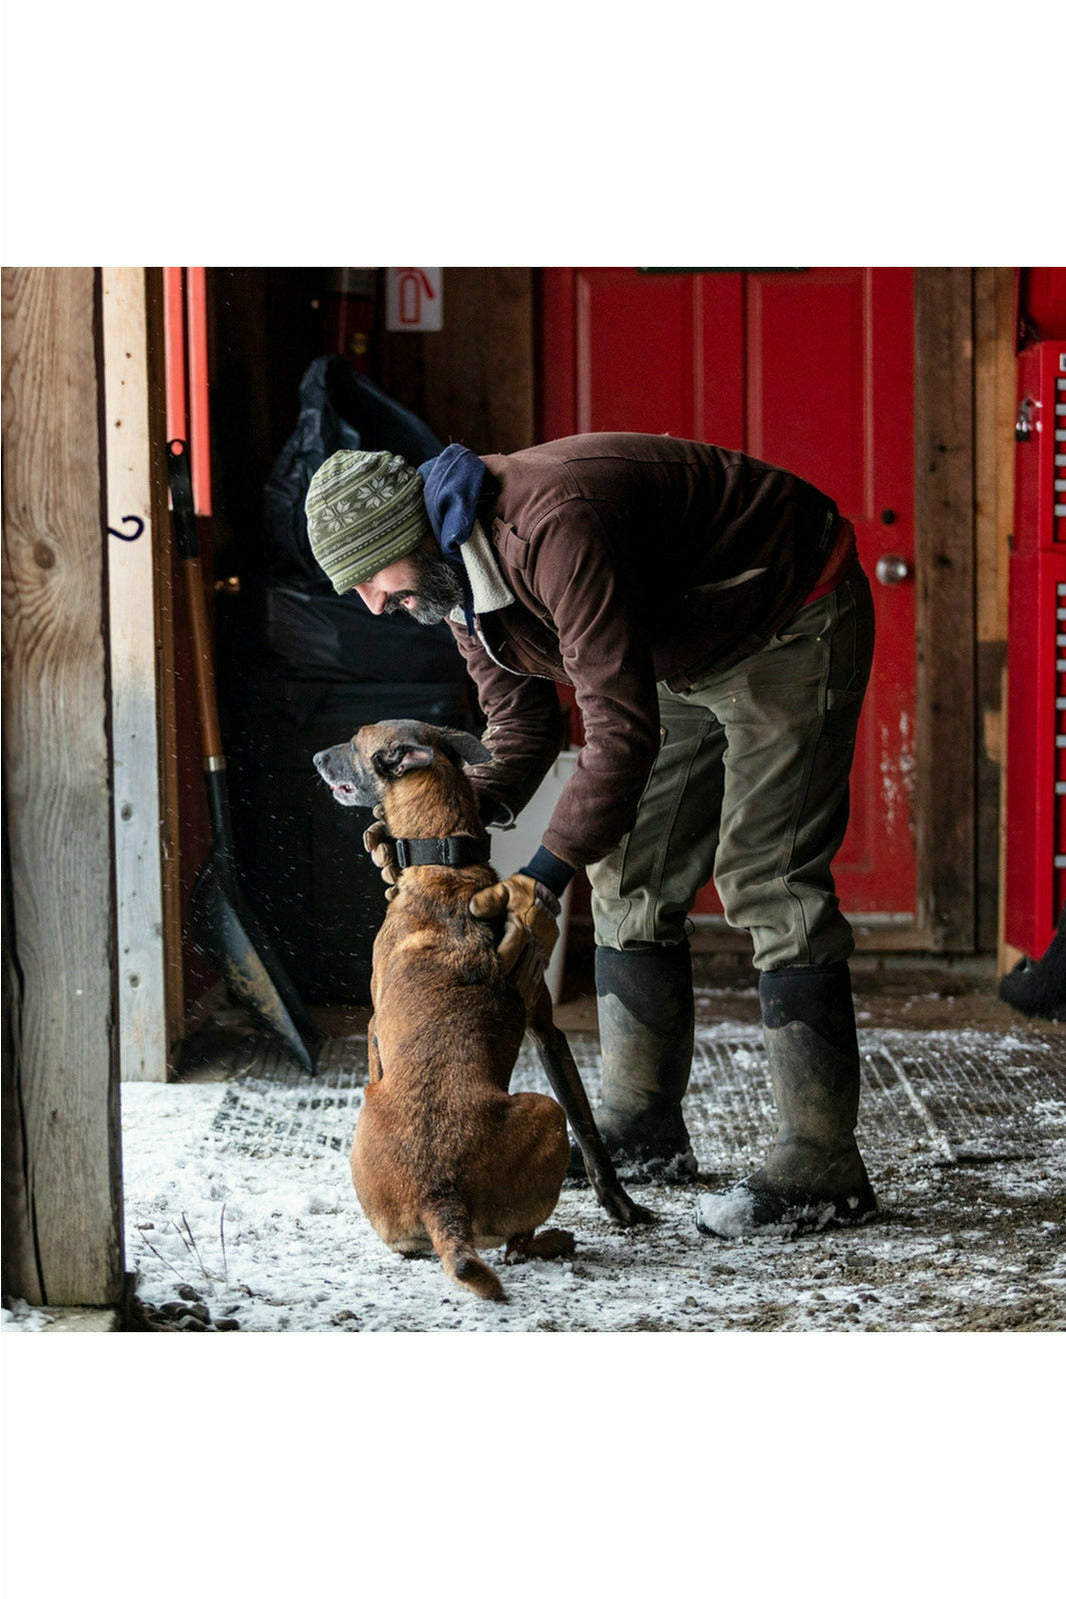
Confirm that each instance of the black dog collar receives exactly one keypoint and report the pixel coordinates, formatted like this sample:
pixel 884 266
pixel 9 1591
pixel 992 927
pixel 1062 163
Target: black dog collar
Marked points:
pixel 461 851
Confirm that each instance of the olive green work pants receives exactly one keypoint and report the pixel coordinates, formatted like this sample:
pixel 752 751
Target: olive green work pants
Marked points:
pixel 751 786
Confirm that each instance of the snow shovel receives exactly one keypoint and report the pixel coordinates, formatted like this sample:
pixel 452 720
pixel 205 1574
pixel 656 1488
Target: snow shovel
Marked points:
pixel 221 924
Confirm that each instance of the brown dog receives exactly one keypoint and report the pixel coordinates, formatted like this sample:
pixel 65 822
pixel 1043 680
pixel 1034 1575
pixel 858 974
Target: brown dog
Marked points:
pixel 444 1155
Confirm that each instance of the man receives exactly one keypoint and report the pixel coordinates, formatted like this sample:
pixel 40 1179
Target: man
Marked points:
pixel 712 617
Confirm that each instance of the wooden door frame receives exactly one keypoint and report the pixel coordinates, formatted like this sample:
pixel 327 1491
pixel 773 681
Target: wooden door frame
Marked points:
pixel 945 608
pixel 62 1240
pixel 144 781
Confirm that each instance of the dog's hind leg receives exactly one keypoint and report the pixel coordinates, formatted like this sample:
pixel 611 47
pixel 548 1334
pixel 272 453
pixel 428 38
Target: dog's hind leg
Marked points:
pixel 562 1073
pixel 531 1152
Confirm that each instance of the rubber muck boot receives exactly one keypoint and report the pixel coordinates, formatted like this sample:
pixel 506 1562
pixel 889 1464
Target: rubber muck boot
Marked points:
pixel 814 1176
pixel 646 1016
pixel 1038 988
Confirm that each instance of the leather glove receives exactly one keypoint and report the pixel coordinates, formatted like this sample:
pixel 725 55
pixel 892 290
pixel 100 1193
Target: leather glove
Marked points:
pixel 377 841
pixel 530 930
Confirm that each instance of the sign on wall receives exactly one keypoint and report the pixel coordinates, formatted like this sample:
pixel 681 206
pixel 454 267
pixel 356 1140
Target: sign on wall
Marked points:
pixel 414 300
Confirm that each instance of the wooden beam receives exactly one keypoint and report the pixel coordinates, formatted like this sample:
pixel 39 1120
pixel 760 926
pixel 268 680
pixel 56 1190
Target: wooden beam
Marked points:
pixel 946 616
pixel 134 696
pixel 61 1064
pixel 995 405
pixel 167 723
pixel 472 382
pixel 995 383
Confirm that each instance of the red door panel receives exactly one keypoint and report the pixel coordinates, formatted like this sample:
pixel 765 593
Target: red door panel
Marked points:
pixel 808 360
pixel 637 352
pixel 829 386
pixel 810 370
pixel 622 374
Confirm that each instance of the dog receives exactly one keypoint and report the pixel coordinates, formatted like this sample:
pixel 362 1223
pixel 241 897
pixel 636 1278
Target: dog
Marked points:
pixel 445 1158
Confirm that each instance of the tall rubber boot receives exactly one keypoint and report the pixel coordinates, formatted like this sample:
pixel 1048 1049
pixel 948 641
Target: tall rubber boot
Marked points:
pixel 647 1017
pixel 1038 988
pixel 814 1176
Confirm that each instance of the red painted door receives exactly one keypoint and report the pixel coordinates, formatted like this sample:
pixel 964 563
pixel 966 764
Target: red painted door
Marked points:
pixel 810 370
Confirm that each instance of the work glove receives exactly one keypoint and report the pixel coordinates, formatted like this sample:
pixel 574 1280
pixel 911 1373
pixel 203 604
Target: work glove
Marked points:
pixel 378 843
pixel 530 930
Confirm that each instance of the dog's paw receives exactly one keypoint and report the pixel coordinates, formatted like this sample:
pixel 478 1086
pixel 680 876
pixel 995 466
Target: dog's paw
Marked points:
pixel 626 1211
pixel 554 1243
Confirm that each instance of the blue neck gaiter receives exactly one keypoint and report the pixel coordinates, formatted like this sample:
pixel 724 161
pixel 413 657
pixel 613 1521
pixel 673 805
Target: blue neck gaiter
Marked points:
pixel 453 483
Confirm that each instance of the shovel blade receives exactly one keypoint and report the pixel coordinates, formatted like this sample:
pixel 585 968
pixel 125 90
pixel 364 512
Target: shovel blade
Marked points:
pixel 220 934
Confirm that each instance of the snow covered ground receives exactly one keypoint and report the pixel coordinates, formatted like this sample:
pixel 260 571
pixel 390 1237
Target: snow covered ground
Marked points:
pixel 238 1198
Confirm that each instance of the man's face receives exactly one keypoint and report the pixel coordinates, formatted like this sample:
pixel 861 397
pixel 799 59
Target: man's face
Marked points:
pixel 423 584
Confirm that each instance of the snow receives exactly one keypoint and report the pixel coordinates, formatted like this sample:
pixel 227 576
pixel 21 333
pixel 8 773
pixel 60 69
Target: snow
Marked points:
pixel 239 1192
pixel 21 1317
pixel 728 1214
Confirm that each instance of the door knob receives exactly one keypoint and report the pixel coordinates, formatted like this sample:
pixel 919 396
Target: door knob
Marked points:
pixel 892 569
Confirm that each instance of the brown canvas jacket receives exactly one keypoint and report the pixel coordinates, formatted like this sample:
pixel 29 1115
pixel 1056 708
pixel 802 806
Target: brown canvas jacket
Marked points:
pixel 633 559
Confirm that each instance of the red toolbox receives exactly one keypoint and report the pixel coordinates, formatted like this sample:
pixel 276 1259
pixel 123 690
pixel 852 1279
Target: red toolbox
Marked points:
pixel 1036 716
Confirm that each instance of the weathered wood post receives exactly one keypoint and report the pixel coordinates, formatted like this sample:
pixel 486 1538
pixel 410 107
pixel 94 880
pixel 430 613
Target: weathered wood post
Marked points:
pixel 945 604
pixel 61 1151
pixel 134 511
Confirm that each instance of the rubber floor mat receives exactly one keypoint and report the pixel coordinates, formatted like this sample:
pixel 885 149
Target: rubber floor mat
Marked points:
pixel 952 1098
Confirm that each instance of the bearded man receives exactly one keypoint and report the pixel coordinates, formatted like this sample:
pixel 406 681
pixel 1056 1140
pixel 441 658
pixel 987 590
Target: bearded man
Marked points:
pixel 711 615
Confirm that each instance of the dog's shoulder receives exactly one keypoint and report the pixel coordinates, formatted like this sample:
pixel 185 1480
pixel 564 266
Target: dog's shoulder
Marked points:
pixel 429 923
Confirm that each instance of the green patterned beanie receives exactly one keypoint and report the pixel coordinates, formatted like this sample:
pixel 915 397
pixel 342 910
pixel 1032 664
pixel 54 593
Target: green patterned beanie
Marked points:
pixel 365 509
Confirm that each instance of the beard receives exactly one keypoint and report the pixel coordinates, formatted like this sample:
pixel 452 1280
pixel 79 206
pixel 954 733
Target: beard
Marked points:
pixel 437 591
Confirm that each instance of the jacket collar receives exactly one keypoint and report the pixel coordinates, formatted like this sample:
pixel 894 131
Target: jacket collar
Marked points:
pixel 488 590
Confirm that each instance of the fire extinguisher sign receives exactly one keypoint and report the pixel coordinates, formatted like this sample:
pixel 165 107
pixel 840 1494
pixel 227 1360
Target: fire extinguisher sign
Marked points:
pixel 413 300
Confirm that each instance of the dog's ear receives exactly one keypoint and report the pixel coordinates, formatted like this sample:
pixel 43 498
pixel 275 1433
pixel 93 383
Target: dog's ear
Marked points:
pixel 464 748
pixel 401 758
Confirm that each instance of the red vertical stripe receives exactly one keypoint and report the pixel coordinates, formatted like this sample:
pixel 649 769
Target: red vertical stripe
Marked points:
pixel 174 341
pixel 199 414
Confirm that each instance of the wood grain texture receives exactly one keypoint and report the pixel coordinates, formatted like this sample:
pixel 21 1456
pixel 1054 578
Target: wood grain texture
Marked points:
pixel 472 382
pixel 56 781
pixel 134 707
pixel 946 620
pixel 995 406
pixel 167 725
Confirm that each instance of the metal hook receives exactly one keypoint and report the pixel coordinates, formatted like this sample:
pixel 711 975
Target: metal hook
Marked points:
pixel 128 538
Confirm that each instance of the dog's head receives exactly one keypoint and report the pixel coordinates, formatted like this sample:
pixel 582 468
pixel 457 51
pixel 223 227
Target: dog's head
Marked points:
pixel 360 771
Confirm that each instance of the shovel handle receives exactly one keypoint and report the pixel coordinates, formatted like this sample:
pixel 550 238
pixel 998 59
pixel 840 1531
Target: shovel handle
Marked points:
pixel 184 522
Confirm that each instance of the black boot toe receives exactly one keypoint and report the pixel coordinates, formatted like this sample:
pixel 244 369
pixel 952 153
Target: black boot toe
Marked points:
pixel 755 1206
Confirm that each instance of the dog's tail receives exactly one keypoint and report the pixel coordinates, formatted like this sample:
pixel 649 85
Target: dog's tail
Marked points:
pixel 452 1236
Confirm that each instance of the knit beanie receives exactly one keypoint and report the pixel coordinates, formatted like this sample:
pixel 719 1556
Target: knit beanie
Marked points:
pixel 365 509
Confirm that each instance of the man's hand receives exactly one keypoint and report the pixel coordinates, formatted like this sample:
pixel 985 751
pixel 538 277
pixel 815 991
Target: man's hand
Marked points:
pixel 377 841
pixel 530 931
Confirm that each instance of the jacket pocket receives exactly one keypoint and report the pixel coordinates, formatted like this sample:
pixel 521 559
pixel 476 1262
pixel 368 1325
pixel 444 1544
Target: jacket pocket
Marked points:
pixel 513 548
